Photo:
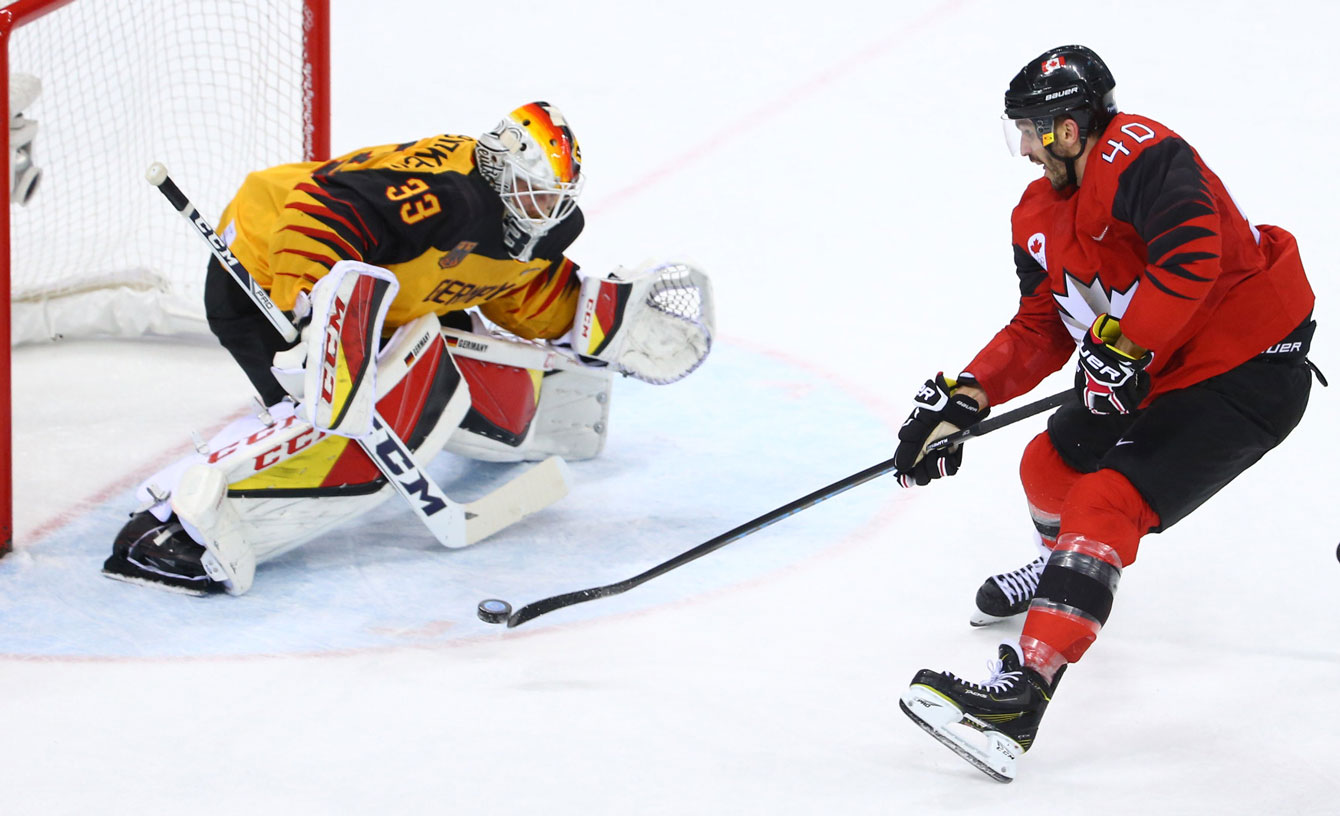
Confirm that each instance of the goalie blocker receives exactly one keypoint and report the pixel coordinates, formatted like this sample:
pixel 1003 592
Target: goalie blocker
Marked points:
pixel 270 482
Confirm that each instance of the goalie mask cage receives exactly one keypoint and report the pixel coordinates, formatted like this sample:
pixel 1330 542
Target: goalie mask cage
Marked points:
pixel 212 89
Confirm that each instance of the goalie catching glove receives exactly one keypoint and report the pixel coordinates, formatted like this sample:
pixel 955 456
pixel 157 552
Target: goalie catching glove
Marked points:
pixel 1108 380
pixel 654 323
pixel 939 413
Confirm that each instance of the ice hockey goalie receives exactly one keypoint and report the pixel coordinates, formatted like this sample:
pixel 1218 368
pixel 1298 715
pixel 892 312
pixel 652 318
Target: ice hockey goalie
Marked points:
pixel 433 291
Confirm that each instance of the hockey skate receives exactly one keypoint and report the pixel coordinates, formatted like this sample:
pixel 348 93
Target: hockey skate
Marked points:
pixel 1008 594
pixel 159 554
pixel 990 724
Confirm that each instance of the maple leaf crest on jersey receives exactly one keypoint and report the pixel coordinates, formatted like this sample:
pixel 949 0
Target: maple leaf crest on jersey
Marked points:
pixel 1081 303
pixel 1037 247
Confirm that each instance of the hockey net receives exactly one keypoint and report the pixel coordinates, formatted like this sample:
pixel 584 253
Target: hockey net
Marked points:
pixel 212 89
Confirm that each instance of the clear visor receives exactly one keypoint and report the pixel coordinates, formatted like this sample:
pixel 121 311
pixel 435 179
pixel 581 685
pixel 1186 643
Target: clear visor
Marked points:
pixel 1022 136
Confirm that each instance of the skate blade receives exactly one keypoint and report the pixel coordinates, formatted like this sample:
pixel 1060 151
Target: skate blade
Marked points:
pixel 980 618
pixel 145 581
pixel 939 717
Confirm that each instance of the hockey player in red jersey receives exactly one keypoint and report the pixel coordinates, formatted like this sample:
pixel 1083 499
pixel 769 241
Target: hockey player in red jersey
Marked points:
pixel 379 253
pixel 1193 326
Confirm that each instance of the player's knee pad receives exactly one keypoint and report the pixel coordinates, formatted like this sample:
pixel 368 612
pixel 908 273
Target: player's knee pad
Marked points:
pixel 1073 602
pixel 1047 479
pixel 1105 506
pixel 267 483
pixel 520 414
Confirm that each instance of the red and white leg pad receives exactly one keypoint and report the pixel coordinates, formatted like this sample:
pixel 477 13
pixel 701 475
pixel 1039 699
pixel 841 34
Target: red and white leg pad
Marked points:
pixel 268 483
pixel 523 414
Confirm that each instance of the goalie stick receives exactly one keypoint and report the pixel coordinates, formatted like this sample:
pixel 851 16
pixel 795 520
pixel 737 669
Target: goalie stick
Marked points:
pixel 158 177
pixel 504 351
pixel 545 605
pixel 452 524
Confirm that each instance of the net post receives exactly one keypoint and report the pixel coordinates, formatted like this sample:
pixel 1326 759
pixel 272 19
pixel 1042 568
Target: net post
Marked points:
pixel 6 389
pixel 12 16
pixel 316 47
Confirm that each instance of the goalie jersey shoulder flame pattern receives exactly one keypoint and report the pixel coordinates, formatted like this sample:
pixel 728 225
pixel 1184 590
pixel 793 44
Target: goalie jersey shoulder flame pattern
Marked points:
pixel 420 210
pixel 1150 236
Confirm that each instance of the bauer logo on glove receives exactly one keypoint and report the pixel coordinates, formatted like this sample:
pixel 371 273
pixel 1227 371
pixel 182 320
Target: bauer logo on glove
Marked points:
pixel 939 412
pixel 1108 380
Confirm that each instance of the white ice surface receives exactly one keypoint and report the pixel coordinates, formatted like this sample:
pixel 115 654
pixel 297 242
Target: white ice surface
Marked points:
pixel 839 170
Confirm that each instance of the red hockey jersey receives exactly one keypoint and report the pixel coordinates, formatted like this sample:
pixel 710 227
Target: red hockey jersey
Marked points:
pixel 1150 236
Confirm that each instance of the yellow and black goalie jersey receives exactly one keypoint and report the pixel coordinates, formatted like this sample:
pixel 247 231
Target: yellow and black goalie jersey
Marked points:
pixel 419 209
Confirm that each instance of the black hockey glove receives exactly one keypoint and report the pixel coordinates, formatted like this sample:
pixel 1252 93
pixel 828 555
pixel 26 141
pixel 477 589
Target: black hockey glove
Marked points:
pixel 939 412
pixel 1109 381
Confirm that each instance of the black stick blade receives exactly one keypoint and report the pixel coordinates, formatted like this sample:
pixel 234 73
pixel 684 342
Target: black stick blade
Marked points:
pixel 546 605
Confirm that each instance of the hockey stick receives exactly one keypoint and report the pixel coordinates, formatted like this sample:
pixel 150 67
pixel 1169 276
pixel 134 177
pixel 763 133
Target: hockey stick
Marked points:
pixel 158 177
pixel 532 491
pixel 505 351
pixel 545 605
pixel 986 426
pixel 445 519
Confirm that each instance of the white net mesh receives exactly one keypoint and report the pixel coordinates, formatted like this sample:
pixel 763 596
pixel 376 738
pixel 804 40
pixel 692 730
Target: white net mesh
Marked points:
pixel 212 89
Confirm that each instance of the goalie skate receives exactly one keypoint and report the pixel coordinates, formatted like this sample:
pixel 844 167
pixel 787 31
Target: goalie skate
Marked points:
pixel 989 724
pixel 159 554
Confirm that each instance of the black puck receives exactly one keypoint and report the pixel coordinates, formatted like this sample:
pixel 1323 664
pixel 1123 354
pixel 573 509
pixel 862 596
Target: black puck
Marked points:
pixel 492 610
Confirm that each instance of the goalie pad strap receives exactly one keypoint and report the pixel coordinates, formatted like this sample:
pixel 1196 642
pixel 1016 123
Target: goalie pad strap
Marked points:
pixel 200 503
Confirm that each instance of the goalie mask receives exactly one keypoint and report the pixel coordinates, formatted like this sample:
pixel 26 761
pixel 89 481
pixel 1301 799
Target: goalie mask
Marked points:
pixel 532 159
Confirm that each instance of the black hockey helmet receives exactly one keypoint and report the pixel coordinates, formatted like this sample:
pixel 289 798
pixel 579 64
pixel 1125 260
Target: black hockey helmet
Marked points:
pixel 1070 81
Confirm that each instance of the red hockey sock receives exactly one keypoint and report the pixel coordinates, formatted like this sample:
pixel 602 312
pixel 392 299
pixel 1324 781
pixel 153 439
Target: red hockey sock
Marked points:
pixel 1102 521
pixel 1047 480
